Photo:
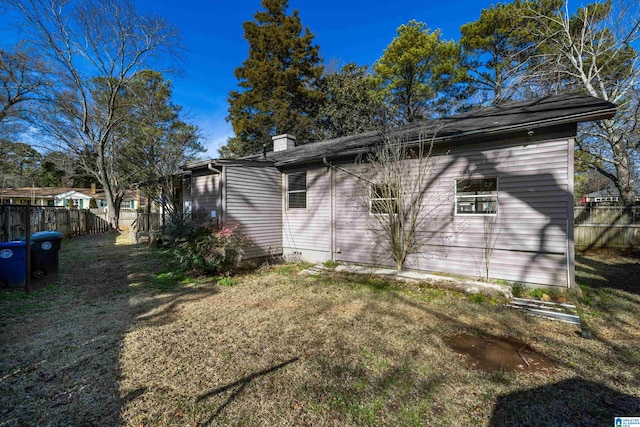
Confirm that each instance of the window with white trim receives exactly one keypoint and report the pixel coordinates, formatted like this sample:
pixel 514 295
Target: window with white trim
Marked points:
pixel 477 196
pixel 383 200
pixel 297 190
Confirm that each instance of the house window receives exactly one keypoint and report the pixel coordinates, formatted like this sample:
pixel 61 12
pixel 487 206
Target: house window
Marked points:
pixel 477 196
pixel 384 200
pixel 297 190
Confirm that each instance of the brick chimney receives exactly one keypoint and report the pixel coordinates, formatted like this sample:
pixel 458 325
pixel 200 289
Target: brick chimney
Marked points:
pixel 283 142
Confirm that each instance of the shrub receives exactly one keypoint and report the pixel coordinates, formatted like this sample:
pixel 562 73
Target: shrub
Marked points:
pixel 183 228
pixel 518 290
pixel 210 248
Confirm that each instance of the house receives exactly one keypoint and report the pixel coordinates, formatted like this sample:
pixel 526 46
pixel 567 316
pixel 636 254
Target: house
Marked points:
pixel 77 198
pixel 610 196
pixel 511 165
pixel 48 196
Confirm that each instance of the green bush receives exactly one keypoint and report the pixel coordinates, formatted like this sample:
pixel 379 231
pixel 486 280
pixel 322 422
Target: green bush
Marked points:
pixel 518 290
pixel 183 228
pixel 209 248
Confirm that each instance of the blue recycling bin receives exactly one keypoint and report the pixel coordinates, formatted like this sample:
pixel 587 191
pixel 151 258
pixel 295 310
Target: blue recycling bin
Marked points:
pixel 13 264
pixel 45 246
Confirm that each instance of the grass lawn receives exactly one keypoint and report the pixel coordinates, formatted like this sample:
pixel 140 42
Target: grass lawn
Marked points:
pixel 121 338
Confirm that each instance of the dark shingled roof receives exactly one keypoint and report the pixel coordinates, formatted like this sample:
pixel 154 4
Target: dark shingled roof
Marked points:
pixel 509 117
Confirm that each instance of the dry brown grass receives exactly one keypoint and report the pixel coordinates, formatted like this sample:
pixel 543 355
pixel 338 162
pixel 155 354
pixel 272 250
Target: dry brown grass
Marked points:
pixel 284 349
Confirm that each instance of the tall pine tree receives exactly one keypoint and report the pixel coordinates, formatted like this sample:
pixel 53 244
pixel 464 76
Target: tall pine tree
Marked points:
pixel 415 68
pixel 278 82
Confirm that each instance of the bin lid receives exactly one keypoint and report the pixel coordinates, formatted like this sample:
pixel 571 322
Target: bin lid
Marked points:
pixel 46 235
pixel 13 244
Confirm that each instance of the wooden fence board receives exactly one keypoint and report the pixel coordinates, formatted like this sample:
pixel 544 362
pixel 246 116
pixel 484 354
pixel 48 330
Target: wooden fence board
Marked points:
pixel 70 222
pixel 606 227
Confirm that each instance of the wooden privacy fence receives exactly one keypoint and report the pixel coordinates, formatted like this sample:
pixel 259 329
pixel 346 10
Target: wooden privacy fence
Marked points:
pixel 606 227
pixel 131 219
pixel 70 222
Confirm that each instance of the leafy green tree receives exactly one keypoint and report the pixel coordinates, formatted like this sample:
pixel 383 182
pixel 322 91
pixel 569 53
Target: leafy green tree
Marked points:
pixel 499 48
pixel 155 141
pixel 353 104
pixel 278 82
pixel 59 169
pixel 414 69
pixel 50 175
pixel 19 164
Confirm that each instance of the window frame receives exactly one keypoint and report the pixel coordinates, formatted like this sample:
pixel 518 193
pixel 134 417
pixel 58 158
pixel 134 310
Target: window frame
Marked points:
pixel 494 194
pixel 372 199
pixel 306 188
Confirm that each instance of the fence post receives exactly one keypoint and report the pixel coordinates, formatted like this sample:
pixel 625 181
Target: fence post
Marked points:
pixel 27 234
pixel 8 224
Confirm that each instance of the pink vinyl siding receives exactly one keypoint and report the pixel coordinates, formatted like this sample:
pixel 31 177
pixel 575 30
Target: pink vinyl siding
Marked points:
pixel 309 229
pixel 253 200
pixel 205 190
pixel 529 237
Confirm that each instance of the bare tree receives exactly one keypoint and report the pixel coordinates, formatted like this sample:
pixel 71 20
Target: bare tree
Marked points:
pixel 97 47
pixel 491 232
pixel 23 77
pixel 593 51
pixel 400 173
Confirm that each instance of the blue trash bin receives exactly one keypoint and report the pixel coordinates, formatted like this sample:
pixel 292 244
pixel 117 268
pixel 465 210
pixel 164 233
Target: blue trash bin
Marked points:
pixel 13 264
pixel 45 246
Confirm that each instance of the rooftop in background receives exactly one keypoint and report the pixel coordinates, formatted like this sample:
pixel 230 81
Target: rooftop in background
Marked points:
pixel 46 192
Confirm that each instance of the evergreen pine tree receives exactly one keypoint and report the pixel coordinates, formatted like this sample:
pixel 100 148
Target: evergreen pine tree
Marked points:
pixel 278 82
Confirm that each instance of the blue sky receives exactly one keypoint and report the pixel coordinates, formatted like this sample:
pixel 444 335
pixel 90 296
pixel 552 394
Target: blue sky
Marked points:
pixel 346 31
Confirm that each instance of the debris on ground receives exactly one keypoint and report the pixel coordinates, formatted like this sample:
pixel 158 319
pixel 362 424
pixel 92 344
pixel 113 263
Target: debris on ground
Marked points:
pixel 546 309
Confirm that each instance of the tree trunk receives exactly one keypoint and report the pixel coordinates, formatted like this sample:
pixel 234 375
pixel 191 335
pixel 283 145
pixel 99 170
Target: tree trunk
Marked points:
pixel 622 165
pixel 623 183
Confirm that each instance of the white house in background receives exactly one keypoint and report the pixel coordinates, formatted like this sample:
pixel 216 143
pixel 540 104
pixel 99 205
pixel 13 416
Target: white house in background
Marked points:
pixel 49 196
pixel 513 164
pixel 76 198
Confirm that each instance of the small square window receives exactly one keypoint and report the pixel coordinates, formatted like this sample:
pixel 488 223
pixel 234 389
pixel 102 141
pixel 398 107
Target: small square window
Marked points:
pixel 477 196
pixel 384 200
pixel 297 190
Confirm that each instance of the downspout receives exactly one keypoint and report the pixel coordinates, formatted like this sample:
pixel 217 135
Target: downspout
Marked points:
pixel 332 214
pixel 568 257
pixel 212 168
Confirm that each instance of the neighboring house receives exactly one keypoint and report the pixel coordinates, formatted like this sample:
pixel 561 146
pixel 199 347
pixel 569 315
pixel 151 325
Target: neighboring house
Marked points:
pixel 306 201
pixel 130 200
pixel 53 196
pixel 608 197
pixel 78 198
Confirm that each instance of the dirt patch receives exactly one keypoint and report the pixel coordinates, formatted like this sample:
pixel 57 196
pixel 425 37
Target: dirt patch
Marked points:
pixel 497 354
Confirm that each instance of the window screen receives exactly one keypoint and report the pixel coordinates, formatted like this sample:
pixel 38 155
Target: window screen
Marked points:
pixel 297 190
pixel 477 196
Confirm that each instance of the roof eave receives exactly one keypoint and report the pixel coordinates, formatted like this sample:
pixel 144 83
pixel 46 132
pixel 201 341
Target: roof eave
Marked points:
pixel 575 118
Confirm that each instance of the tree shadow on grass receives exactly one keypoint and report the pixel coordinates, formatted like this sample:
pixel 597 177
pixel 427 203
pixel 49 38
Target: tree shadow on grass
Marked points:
pixel 239 386
pixel 593 271
pixel 60 352
pixel 572 402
